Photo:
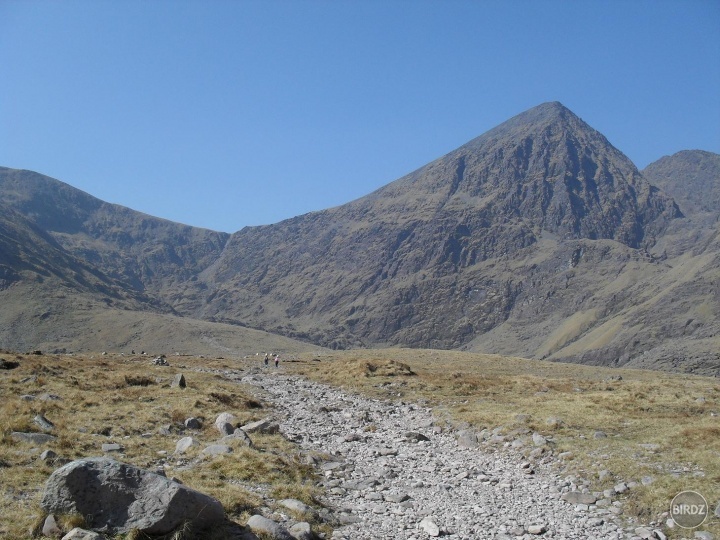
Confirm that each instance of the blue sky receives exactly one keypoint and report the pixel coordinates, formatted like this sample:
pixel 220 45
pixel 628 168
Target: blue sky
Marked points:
pixel 222 114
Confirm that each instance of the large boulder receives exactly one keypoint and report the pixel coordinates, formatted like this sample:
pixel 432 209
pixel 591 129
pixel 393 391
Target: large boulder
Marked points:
pixel 116 497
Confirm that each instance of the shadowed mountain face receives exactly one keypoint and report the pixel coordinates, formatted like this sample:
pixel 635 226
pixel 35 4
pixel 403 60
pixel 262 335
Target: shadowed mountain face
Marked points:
pixel 538 238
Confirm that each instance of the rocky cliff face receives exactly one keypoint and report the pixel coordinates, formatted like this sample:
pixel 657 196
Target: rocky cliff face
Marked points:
pixel 538 238
pixel 424 260
pixel 147 253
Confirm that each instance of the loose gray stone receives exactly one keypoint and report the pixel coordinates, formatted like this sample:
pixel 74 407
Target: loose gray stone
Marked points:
pixel 645 533
pixel 415 436
pixel 704 535
pixel 263 525
pixel 261 426
pixel 302 531
pixel 81 534
pixel 184 444
pixel 178 381
pixel 539 440
pixel 397 498
pixel 112 447
pixel 240 435
pixel 225 429
pixel 225 418
pixel 117 498
pixel 467 439
pixel 48 455
pixel 297 506
pixel 429 526
pixel 622 487
pixel 537 529
pixel 50 527
pixel 577 497
pixel 43 422
pixel 216 450
pixel 34 438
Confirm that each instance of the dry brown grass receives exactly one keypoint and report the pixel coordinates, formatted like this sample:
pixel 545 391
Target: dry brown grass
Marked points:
pixel 126 400
pixel 679 413
pixel 122 399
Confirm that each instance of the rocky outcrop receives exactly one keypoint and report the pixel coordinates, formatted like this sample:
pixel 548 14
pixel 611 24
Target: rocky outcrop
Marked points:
pixel 116 498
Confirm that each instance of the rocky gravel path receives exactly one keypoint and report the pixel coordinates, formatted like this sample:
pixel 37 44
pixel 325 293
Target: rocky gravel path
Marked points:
pixel 390 472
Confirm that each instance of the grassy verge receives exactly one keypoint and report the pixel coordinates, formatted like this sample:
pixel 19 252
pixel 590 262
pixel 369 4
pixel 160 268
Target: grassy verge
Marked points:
pixel 127 400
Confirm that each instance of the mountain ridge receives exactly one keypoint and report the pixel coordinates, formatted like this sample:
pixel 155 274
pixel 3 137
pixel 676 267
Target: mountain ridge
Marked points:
pixel 515 242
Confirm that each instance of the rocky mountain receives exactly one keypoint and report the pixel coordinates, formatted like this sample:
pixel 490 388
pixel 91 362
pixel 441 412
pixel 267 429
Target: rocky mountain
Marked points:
pixel 538 238
pixel 691 178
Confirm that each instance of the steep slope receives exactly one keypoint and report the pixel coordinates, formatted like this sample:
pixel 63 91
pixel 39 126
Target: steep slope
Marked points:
pixel 431 259
pixel 691 178
pixel 538 239
pixel 149 253
pixel 78 274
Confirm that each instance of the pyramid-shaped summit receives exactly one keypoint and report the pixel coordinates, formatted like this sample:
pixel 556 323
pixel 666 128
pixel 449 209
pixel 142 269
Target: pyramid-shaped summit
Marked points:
pixel 548 168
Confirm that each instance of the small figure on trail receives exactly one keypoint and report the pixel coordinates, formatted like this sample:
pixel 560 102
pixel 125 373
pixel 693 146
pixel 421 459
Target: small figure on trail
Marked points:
pixel 277 360
pixel 267 358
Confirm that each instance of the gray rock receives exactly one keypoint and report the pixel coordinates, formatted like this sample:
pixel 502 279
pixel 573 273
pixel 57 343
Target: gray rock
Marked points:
pixel 622 487
pixel 112 447
pixel 261 426
pixel 397 498
pixel 225 429
pixel 184 444
pixel 703 535
pixel 178 381
pixel 51 528
pixel 599 435
pixel 539 440
pixel 239 435
pixel 577 497
pixel 263 525
pixel 554 422
pixel 303 531
pixel 415 436
pixel 467 439
pixel 43 423
pixel 225 418
pixel 81 534
pixel 193 423
pixel 297 506
pixel 537 529
pixel 48 455
pixel 116 498
pixel 34 438
pixel 645 533
pixel 429 526
pixel 216 450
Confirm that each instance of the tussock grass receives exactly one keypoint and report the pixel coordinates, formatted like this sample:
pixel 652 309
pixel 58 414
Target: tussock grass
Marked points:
pixel 126 400
pixel 633 408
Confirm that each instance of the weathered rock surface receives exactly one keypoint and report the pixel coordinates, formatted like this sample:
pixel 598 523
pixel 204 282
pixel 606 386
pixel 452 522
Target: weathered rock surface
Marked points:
pixel 35 438
pixel 263 525
pixel 116 497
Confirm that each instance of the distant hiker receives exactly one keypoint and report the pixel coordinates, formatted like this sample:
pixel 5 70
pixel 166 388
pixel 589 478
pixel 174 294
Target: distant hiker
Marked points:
pixel 277 360
pixel 267 359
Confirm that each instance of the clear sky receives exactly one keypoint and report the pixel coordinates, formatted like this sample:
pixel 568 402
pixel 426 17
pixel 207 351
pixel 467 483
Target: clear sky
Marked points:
pixel 222 114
